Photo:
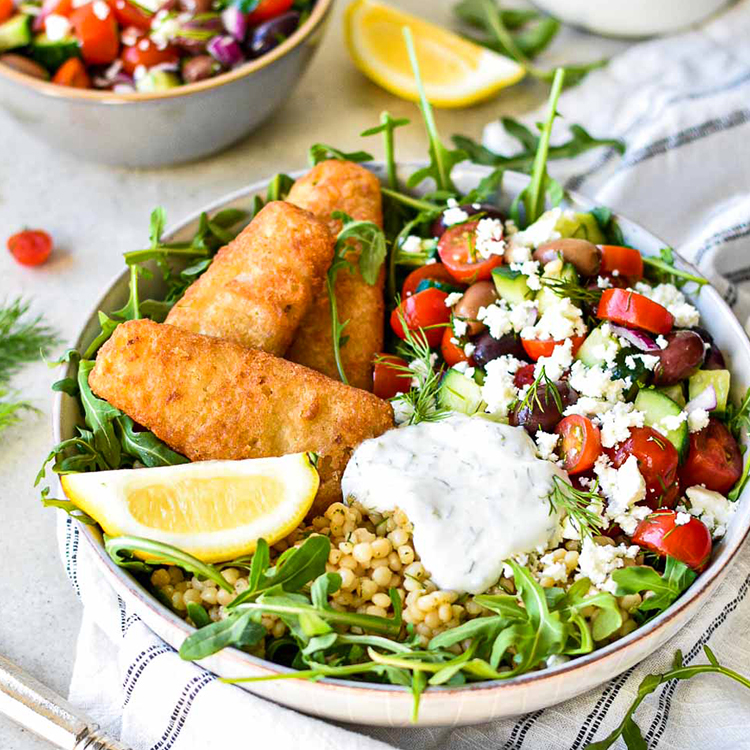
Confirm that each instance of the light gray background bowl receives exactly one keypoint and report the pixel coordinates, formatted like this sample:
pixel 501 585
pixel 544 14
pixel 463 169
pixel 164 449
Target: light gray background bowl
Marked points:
pixel 391 705
pixel 156 129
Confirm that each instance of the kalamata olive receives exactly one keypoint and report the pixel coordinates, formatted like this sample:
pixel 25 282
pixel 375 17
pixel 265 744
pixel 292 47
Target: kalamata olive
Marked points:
pixel 199 68
pixel 489 348
pixel 487 210
pixel 272 33
pixel 23 65
pixel 542 412
pixel 714 359
pixel 584 255
pixel 479 294
pixel 681 358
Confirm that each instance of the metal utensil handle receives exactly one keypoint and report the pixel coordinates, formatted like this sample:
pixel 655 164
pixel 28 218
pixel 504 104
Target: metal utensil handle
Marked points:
pixel 39 709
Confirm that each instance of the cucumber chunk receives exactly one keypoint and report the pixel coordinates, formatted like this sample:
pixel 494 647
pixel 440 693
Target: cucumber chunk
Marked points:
pixel 594 345
pixel 157 80
pixel 719 379
pixel 656 406
pixel 511 285
pixel 53 54
pixel 15 32
pixel 580 226
pixel 459 393
pixel 547 297
pixel 675 392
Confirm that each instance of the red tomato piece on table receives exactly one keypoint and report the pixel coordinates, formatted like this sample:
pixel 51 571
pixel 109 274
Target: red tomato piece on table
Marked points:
pixel 31 247
pixel 713 459
pixel 436 271
pixel 7 9
pixel 453 353
pixel 657 462
pixel 268 9
pixel 581 443
pixel 128 14
pixel 72 73
pixel 626 261
pixel 634 310
pixel 689 542
pixel 425 310
pixel 96 30
pixel 524 376
pixel 457 250
pixel 537 348
pixel 144 52
pixel 390 376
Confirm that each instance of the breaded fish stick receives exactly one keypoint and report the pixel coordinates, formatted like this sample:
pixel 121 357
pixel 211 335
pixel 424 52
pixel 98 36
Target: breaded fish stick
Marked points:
pixel 262 284
pixel 342 186
pixel 214 399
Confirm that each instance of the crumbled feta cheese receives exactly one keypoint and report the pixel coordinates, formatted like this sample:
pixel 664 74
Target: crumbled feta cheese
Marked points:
pixel 617 421
pixel 430 261
pixel 624 488
pixel 469 349
pixel 546 442
pixel 453 214
pixel 669 296
pixel 697 420
pixel 501 318
pixel 489 238
pixel 56 27
pixel 541 231
pixel 420 370
pixel 596 382
pixel 101 10
pixel 661 342
pixel 682 518
pixel 649 361
pixel 559 321
pixel 412 244
pixel 557 363
pixel 460 327
pixel 140 72
pixel 669 423
pixel 530 269
pixel 603 282
pixel 711 507
pixel 402 411
pixel 499 390
pixel 597 562
pixel 557 570
pixel 556 660
pixel 453 298
pixel 164 31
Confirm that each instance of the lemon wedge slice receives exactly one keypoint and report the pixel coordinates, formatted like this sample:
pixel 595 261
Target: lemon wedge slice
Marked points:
pixel 456 72
pixel 215 510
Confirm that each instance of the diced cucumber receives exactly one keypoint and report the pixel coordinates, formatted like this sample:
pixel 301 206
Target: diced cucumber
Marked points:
pixel 656 406
pixel 594 345
pixel 511 285
pixel 547 297
pixel 580 226
pixel 15 32
pixel 675 392
pixel 569 274
pixel 459 393
pixel 719 379
pixel 157 80
pixel 53 54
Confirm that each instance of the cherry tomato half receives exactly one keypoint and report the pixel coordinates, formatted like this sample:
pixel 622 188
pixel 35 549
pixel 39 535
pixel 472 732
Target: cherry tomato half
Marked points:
pixel 581 443
pixel 425 310
pixel 688 542
pixel 627 261
pixel 713 459
pixel 389 376
pixel 128 14
pixel 536 348
pixel 98 37
pixel 633 309
pixel 72 73
pixel 436 271
pixel 30 247
pixel 524 376
pixel 7 9
pixel 453 353
pixel 456 248
pixel 144 52
pixel 268 9
pixel 657 462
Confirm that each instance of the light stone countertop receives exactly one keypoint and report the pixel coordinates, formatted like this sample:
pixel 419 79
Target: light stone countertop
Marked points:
pixel 95 213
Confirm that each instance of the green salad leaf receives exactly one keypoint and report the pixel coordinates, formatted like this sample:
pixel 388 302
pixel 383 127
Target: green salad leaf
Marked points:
pixel 322 152
pixel 387 127
pixel 662 270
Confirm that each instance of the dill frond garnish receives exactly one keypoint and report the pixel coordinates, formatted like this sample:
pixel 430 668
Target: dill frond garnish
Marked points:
pixel 573 291
pixel 22 339
pixel 575 503
pixel 550 391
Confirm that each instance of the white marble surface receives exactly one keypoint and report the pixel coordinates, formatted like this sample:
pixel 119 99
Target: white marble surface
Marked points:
pixel 96 213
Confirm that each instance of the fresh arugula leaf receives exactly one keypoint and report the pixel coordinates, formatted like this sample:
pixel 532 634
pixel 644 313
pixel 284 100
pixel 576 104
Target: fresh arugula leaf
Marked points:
pixel 100 417
pixel 662 270
pixel 279 187
pixel 608 225
pixel 321 152
pixel 145 446
pixel 66 385
pixel 238 629
pixel 198 615
pixel 70 508
pixel 387 127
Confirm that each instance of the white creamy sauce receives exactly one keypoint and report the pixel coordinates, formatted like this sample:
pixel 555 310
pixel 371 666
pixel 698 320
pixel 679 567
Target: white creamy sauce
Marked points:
pixel 474 490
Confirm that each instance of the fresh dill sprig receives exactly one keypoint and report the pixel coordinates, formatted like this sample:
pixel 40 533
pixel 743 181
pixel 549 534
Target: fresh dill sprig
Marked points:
pixel 574 291
pixel 550 391
pixel 576 504
pixel 23 339
pixel 10 411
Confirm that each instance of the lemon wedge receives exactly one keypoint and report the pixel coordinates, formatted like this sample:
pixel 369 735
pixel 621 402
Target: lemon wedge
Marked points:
pixel 215 510
pixel 456 72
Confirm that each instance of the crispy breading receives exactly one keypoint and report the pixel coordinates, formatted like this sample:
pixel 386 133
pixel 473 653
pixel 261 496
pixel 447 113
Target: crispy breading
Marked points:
pixel 263 283
pixel 342 186
pixel 213 399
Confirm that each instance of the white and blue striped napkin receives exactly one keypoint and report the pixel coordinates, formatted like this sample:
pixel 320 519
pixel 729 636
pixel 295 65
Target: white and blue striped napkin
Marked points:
pixel 682 104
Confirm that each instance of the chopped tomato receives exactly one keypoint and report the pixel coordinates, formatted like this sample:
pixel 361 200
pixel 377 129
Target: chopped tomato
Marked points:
pixel 634 310
pixel 537 348
pixel 72 73
pixel 267 9
pixel 390 376
pixel 97 35
pixel 7 9
pixel 436 271
pixel 457 250
pixel 581 443
pixel 657 461
pixel 524 376
pixel 128 14
pixel 713 459
pixel 31 247
pixel 689 542
pixel 144 52
pixel 453 353
pixel 626 261
pixel 424 310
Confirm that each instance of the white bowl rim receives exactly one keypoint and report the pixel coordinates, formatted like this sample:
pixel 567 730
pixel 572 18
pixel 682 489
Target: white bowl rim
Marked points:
pixel 702 584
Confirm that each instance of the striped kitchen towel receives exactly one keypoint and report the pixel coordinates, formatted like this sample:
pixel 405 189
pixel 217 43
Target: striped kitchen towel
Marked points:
pixel 682 104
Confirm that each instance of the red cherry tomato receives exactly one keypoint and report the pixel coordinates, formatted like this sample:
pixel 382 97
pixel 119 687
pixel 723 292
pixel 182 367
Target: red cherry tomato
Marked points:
pixel 456 250
pixel 128 14
pixel 144 52
pixel 657 462
pixel 714 459
pixel 536 348
pixel 524 376
pixel 436 271
pixel 581 443
pixel 72 73
pixel 688 542
pixel 425 310
pixel 389 376
pixel 634 310
pixel 452 353
pixel 7 9
pixel 30 247
pixel 627 261
pixel 268 9
pixel 97 35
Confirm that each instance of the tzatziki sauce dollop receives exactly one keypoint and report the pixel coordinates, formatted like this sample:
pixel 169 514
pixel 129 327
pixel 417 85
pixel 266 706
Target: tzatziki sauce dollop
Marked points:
pixel 474 490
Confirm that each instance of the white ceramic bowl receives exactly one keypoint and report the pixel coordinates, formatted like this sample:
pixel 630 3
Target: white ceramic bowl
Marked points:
pixel 391 705
pixel 167 127
pixel 631 18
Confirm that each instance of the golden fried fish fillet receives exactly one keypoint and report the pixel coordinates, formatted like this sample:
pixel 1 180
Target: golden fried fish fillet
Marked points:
pixel 262 284
pixel 213 399
pixel 342 186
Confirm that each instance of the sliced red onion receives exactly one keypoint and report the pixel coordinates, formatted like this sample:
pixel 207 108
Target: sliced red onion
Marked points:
pixel 706 400
pixel 234 22
pixel 225 50
pixel 638 339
